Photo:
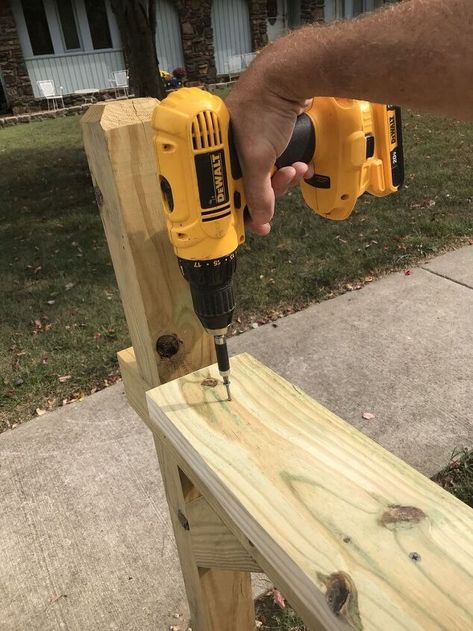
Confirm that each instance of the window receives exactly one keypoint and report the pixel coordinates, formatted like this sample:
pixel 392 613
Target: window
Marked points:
pixel 98 24
pixel 37 25
pixel 68 24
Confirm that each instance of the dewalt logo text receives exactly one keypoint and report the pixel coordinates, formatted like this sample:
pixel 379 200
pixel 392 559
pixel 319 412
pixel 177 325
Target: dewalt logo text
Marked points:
pixel 392 129
pixel 218 178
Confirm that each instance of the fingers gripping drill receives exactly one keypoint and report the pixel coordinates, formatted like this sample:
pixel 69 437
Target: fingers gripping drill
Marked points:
pixel 353 146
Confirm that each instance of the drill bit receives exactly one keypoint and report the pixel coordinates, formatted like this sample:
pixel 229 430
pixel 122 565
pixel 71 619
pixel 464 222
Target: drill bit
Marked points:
pixel 223 361
pixel 226 381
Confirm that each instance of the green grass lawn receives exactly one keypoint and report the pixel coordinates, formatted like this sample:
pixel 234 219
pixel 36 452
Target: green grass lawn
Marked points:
pixel 62 321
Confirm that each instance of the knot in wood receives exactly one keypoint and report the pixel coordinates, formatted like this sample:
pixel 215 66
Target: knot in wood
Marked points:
pixel 167 345
pixel 342 597
pixel 209 382
pixel 398 516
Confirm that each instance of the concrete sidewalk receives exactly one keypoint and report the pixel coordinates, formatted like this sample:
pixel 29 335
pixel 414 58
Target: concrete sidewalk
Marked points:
pixel 85 537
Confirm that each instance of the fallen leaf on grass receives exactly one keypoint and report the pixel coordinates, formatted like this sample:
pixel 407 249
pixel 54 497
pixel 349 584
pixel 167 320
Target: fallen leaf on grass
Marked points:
pixel 111 379
pixel 69 286
pixel 37 325
pixel 278 598
pixel 64 378
pixel 368 416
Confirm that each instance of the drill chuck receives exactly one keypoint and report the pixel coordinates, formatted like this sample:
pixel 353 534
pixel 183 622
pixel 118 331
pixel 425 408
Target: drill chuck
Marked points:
pixel 211 285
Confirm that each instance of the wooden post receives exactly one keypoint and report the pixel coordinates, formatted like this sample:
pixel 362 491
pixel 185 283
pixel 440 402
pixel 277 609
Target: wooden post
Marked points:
pixel 354 537
pixel 168 341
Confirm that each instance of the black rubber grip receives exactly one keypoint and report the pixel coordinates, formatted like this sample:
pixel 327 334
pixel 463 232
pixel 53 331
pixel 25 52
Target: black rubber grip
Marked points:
pixel 301 147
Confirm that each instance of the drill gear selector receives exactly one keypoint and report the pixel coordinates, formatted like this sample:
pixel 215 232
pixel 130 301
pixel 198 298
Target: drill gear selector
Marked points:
pixel 354 147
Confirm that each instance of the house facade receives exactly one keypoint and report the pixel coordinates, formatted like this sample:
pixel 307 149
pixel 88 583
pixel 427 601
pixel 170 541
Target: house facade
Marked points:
pixel 76 43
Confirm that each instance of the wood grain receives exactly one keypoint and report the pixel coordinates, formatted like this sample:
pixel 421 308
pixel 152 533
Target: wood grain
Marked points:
pixel 213 543
pixel 135 386
pixel 351 534
pixel 118 140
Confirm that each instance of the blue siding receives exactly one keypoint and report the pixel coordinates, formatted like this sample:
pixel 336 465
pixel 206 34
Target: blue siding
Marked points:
pixel 232 39
pixel 168 36
pixel 75 71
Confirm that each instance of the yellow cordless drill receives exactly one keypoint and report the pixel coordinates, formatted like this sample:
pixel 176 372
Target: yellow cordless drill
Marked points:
pixel 353 146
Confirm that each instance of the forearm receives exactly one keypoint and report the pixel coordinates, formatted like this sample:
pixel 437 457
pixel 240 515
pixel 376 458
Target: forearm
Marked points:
pixel 419 54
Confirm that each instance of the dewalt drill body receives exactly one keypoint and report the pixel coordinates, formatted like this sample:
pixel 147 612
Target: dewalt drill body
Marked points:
pixel 353 146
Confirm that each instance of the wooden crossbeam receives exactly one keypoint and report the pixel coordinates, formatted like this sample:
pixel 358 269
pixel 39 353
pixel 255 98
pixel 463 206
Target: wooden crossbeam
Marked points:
pixel 214 544
pixel 351 534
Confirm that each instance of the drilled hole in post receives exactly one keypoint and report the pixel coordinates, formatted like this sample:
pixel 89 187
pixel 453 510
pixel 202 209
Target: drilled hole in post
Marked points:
pixel 167 345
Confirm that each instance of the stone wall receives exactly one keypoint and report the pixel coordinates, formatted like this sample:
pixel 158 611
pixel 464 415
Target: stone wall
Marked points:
pixel 197 39
pixel 258 14
pixel 312 11
pixel 17 83
pixel 197 35
pixel 197 43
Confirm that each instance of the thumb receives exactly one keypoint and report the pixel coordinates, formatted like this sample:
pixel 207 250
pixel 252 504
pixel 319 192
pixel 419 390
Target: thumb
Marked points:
pixel 259 192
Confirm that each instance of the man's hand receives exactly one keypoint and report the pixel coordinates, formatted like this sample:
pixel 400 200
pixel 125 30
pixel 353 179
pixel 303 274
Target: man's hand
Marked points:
pixel 263 123
pixel 417 53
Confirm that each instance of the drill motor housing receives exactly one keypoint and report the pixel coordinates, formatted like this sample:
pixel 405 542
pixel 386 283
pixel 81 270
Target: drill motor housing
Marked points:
pixel 353 146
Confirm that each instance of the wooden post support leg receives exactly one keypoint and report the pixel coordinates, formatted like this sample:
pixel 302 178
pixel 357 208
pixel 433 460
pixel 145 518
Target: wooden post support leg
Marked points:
pixel 118 140
pixel 229 598
pixel 220 600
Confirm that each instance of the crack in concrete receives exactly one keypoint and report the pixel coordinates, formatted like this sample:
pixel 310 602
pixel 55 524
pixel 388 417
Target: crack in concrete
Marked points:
pixel 457 282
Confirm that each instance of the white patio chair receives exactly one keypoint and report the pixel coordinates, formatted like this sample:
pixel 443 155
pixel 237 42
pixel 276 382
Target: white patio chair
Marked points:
pixel 47 89
pixel 119 81
pixel 233 66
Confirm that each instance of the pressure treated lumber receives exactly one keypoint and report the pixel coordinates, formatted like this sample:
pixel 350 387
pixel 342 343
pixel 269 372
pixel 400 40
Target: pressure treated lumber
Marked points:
pixel 118 141
pixel 213 544
pixel 348 532
pixel 167 338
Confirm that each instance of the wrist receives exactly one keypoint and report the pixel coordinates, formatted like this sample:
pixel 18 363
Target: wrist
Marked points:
pixel 284 69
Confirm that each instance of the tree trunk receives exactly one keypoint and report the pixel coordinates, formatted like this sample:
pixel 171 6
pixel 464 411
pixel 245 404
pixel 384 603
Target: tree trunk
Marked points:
pixel 136 21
